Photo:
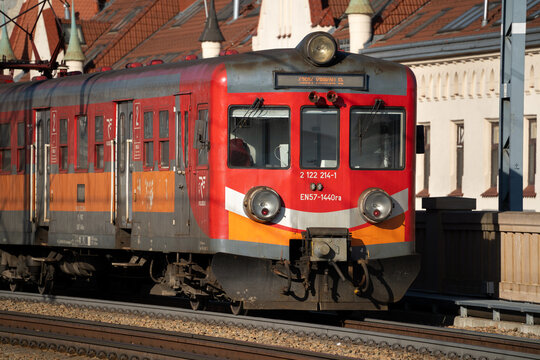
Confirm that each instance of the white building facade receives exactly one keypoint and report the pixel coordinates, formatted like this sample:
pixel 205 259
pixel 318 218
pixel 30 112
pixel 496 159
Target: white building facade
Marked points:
pixel 458 102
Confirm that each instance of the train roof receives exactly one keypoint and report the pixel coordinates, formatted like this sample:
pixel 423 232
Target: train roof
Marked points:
pixel 247 72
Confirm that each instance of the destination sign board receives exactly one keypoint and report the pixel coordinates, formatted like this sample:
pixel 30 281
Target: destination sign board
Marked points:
pixel 334 81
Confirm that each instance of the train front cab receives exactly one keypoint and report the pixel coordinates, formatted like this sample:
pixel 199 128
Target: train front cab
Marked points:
pixel 319 195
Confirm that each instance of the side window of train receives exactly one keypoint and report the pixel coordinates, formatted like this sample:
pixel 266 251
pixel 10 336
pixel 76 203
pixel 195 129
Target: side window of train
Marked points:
pixel 63 138
pixel 82 142
pixel 319 138
pixel 200 142
pixel 186 139
pixel 259 138
pixel 164 139
pixel 5 147
pixel 21 159
pixel 148 147
pixel 377 139
pixel 98 143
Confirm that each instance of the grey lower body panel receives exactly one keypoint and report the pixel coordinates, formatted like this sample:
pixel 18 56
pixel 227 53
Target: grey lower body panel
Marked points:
pixel 255 282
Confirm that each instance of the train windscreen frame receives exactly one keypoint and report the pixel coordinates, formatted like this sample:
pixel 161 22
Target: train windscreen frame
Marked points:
pixel 377 139
pixel 259 138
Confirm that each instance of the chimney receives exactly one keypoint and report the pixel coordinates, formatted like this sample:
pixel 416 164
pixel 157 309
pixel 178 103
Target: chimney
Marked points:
pixel 359 13
pixel 74 56
pixel 211 37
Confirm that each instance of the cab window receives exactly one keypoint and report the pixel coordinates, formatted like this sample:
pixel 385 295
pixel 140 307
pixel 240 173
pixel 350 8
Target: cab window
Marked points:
pixel 259 138
pixel 377 139
pixel 319 138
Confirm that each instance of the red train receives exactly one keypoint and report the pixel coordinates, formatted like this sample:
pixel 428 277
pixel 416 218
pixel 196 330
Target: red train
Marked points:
pixel 272 179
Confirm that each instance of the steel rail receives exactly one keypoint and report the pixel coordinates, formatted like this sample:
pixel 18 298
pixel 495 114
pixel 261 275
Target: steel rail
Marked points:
pixel 356 336
pixel 120 341
pixel 493 341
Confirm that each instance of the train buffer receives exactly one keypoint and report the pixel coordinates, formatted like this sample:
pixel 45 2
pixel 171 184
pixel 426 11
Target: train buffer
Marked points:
pixel 530 310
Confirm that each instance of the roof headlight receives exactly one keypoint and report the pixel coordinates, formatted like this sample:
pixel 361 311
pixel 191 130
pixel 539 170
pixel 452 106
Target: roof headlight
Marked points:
pixel 262 204
pixel 319 48
pixel 375 205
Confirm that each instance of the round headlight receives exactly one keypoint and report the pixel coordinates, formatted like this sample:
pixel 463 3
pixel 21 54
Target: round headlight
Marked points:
pixel 262 204
pixel 375 205
pixel 319 48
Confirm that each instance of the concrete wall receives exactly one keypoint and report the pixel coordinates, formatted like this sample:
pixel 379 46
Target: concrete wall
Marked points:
pixel 479 253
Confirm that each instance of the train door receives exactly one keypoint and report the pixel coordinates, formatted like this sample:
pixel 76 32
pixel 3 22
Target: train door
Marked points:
pixel 43 166
pixel 124 165
pixel 199 186
pixel 182 210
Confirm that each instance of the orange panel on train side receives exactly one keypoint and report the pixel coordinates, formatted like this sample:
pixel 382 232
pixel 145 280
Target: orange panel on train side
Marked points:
pixel 153 191
pixel 12 194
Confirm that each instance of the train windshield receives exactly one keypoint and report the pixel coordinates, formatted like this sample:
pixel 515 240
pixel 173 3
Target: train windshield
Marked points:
pixel 319 138
pixel 377 139
pixel 259 137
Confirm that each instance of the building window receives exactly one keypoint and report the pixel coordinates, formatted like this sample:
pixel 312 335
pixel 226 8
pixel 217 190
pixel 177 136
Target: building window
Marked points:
pixel 21 159
pixel 82 142
pixel 164 139
pixel 529 191
pixel 427 165
pixel 99 146
pixel 494 160
pixel 63 144
pixel 460 148
pixel 148 139
pixel 5 147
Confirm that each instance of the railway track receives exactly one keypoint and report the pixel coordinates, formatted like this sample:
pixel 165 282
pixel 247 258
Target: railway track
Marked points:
pixel 415 339
pixel 493 341
pixel 112 341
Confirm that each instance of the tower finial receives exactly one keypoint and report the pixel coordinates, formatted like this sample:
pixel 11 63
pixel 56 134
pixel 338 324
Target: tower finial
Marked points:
pixel 74 56
pixel 211 37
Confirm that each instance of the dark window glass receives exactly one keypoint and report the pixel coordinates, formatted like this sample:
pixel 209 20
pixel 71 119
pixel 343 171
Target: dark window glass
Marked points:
pixel 163 124
pixel 4 135
pixel 427 155
pixel 494 153
pixel 20 134
pixel 99 147
pixel 149 154
pixel 99 156
pixel 63 131
pixel 259 138
pixel 99 128
pixel 148 134
pixel 377 139
pixel 6 159
pixel 201 141
pixel 20 146
pixel 532 151
pixel 122 142
pixel 63 158
pixel 164 153
pixel 148 125
pixel 460 133
pixel 319 138
pixel 63 144
pixel 82 142
pixel 186 138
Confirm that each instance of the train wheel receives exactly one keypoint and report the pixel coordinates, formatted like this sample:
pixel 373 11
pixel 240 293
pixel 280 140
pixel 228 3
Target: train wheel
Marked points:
pixel 237 308
pixel 197 303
